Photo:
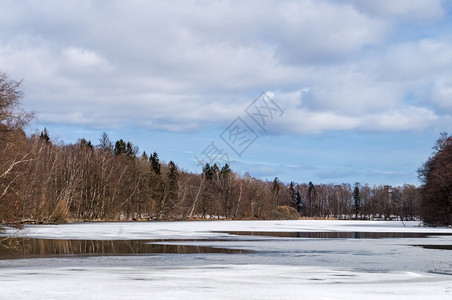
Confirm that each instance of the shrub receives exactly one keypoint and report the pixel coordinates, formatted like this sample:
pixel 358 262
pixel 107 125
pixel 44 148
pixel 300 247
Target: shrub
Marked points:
pixel 285 213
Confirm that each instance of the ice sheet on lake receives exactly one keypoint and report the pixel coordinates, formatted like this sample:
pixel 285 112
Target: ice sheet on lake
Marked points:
pixel 281 268
pixel 219 282
pixel 205 229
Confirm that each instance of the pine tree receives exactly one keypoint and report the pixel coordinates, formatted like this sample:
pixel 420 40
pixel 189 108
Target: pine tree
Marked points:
pixel 156 184
pixel 310 197
pixel 45 135
pixel 296 198
pixel 275 191
pixel 225 191
pixel 171 193
pixel 356 201
pixel 120 147
pixel 155 163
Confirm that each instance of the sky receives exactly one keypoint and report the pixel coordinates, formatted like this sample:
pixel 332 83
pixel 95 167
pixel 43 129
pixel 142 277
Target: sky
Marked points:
pixel 324 91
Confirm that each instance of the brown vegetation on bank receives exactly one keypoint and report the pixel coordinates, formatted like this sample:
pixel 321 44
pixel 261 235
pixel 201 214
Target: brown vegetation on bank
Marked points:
pixel 436 192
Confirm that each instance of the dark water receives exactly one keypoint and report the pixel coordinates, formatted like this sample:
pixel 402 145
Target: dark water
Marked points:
pixel 336 235
pixel 436 247
pixel 30 248
pixel 33 248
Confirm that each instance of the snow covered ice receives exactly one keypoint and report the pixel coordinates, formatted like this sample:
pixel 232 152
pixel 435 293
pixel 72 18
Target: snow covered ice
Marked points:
pixel 278 267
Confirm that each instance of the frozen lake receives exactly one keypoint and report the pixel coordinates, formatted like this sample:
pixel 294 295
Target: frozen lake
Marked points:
pixel 228 260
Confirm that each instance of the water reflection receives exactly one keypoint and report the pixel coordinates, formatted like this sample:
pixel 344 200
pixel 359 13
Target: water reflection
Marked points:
pixel 436 247
pixel 28 247
pixel 337 235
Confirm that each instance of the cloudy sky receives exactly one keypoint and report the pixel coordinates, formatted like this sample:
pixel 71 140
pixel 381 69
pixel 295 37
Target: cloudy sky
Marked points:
pixel 363 88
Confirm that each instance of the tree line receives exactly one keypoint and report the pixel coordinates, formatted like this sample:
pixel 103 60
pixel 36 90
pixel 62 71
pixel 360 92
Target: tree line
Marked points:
pixel 42 180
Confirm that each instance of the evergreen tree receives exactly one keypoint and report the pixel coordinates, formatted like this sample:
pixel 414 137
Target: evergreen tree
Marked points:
pixel 296 198
pixel 310 199
pixel 171 194
pixel 120 147
pixel 144 156
pixel 131 150
pixel 275 191
pixel 156 183
pixel 226 187
pixel 155 163
pixel 84 144
pixel 356 201
pixel 45 135
pixel 211 172
pixel 212 187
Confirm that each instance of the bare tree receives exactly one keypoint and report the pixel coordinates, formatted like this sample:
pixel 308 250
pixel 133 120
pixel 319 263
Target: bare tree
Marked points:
pixel 436 192
pixel 13 153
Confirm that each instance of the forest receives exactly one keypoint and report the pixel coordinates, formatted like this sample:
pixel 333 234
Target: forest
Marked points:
pixel 46 181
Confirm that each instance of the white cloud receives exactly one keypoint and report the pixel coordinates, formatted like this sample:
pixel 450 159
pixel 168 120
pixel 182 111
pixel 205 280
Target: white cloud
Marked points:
pixel 317 32
pixel 415 10
pixel 302 119
pixel 418 60
pixel 184 65
pixel 351 92
pixel 442 95
pixel 405 118
pixel 83 60
pixel 305 121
